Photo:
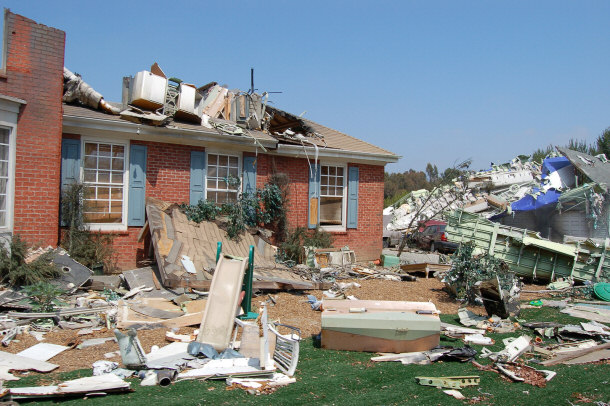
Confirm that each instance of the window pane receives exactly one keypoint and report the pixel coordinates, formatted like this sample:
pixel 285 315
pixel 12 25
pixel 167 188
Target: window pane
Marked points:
pixel 117 164
pixel 223 172
pixel 2 202
pixel 117 177
pixel 103 177
pixel 90 149
pixel 324 180
pixel 212 196
pixel 116 193
pixel 212 183
pixel 212 171
pixel 232 196
pixel 233 172
pixel 118 151
pixel 223 160
pixel 90 162
pixel 213 159
pixel 3 183
pixel 103 193
pixel 103 163
pixel 4 135
pixel 4 152
pixel 222 184
pixel 340 171
pixel 104 150
pixel 3 168
pixel 221 197
pixel 324 190
pixel 89 176
pixel 3 218
pixel 331 210
pixel 233 161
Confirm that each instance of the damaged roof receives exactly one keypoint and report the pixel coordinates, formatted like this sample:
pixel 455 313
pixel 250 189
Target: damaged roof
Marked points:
pixel 152 100
pixel 594 167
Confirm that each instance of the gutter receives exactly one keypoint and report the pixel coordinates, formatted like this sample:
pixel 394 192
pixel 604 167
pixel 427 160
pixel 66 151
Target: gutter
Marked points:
pixel 77 124
pixel 298 151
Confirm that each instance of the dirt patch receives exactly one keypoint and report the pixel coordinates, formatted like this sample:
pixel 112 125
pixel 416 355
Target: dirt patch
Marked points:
pixel 290 308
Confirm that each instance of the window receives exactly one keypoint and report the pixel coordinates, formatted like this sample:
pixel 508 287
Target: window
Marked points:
pixel 5 134
pixel 222 178
pixel 104 178
pixel 332 195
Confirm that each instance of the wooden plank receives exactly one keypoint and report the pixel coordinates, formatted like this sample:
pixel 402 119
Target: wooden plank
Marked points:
pixel 561 358
pixel 143 231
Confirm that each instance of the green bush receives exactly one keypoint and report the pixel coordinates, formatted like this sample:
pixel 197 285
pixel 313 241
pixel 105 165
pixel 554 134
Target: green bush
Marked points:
pixel 44 296
pixel 292 249
pixel 14 269
pixel 265 207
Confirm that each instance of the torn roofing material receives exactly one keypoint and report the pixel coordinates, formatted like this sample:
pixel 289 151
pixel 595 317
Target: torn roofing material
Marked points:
pixel 173 236
pixel 593 167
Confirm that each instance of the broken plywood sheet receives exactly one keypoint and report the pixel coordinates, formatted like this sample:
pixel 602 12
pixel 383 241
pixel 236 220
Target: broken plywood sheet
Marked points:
pixel 19 363
pixel 128 317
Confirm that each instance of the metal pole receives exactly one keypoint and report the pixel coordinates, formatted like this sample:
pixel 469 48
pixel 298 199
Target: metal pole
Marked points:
pixel 218 250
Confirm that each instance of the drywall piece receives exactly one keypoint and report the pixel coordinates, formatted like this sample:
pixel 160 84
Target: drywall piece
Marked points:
pixel 101 383
pixel 219 314
pixel 42 351
pixel 19 363
pixel 92 342
pixel 221 368
pixel 170 356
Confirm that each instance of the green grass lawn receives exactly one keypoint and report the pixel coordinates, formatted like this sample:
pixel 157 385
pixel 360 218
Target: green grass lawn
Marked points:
pixel 350 378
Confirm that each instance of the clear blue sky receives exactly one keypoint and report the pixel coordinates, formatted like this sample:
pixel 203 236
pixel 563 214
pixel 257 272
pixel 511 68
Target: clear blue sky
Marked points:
pixel 433 81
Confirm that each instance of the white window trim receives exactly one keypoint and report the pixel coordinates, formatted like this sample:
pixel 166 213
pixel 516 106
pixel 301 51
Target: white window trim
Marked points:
pixel 10 189
pixel 240 159
pixel 104 226
pixel 343 226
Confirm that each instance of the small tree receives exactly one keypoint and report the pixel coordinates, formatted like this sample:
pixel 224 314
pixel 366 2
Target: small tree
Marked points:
pixel 603 143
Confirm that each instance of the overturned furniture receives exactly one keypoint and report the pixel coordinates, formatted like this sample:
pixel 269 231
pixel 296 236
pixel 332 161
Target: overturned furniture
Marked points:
pixel 379 326
pixel 528 254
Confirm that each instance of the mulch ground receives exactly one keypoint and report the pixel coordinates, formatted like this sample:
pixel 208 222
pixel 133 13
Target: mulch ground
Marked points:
pixel 290 308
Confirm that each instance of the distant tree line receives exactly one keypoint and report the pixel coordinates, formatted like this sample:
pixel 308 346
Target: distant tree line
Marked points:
pixel 396 185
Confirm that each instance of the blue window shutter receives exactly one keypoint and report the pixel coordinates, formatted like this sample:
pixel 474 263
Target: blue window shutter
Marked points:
pixel 352 196
pixel 70 164
pixel 313 212
pixel 249 186
pixel 137 185
pixel 197 184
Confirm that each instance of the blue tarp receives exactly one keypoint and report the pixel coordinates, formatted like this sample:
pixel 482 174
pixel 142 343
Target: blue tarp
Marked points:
pixel 530 203
pixel 550 165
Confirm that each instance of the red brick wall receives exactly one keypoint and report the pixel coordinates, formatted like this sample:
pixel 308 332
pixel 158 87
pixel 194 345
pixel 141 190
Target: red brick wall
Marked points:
pixel 366 240
pixel 34 73
pixel 168 175
pixel 168 170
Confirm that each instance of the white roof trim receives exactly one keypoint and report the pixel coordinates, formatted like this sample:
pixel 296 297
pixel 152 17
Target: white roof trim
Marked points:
pixel 76 124
pixel 352 156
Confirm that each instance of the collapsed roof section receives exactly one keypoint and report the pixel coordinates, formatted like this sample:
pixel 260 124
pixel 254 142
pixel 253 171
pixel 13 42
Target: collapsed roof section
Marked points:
pixel 151 98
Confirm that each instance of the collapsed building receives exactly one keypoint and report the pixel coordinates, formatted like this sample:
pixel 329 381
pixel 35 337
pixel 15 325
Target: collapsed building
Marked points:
pixel 563 198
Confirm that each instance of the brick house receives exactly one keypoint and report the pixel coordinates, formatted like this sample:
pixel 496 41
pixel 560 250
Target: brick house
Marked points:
pixel 125 162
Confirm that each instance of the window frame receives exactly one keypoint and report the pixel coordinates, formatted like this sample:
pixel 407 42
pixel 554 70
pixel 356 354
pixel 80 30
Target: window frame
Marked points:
pixel 10 187
pixel 207 172
pixel 343 226
pixel 122 226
